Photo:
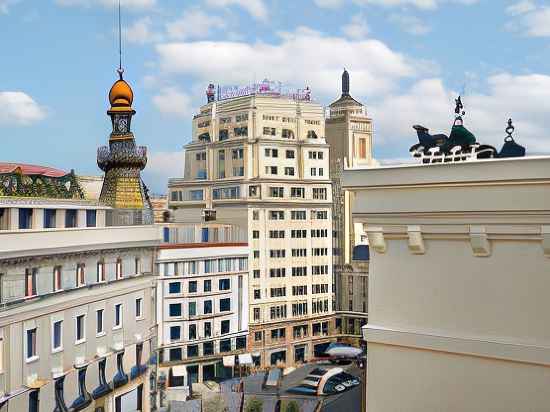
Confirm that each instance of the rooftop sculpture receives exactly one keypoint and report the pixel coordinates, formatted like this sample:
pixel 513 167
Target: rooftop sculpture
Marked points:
pixel 461 144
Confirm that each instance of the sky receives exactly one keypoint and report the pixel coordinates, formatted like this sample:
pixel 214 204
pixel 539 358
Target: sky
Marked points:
pixel 407 59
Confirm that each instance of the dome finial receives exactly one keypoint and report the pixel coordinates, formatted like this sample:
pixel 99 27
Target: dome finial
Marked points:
pixel 345 83
pixel 120 70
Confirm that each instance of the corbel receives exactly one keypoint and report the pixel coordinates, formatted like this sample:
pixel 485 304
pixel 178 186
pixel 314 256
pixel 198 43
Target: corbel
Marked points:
pixel 376 239
pixel 416 242
pixel 479 241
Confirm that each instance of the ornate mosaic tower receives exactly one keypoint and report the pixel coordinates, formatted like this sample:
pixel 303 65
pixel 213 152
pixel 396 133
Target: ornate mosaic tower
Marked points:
pixel 122 161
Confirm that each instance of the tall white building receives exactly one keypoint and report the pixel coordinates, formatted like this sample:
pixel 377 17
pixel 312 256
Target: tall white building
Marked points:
pixel 459 285
pixel 202 297
pixel 261 162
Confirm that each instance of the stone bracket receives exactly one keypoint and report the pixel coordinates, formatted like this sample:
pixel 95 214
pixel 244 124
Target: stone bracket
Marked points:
pixel 376 239
pixel 479 241
pixel 416 241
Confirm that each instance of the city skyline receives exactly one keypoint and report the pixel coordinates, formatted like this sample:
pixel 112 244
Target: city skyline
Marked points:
pixel 407 61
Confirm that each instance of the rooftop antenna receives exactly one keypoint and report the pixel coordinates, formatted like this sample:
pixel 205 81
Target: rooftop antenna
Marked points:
pixel 120 70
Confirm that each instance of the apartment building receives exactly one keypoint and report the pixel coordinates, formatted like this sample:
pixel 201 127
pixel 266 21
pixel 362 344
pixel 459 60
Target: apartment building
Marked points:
pixel 458 305
pixel 76 298
pixel 261 162
pixel 202 300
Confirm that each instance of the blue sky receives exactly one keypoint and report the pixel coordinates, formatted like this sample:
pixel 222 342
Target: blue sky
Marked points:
pixel 407 60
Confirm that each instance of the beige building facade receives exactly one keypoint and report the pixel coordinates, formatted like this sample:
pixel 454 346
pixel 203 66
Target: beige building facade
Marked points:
pixel 261 162
pixel 458 293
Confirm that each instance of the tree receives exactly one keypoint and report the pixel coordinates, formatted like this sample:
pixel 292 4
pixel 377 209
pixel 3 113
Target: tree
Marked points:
pixel 292 406
pixel 254 405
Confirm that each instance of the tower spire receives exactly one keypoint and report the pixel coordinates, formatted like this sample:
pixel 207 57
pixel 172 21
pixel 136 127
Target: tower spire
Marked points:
pixel 345 83
pixel 120 70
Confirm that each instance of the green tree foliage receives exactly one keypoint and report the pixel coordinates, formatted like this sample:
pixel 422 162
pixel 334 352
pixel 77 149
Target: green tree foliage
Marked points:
pixel 254 405
pixel 292 406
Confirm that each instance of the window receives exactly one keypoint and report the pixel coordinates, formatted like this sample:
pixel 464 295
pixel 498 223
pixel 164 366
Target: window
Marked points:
pixel 241 117
pixel 277 312
pixel 119 268
pixel 319 214
pixel 299 252
pixel 298 215
pixel 299 271
pixel 270 131
pixel 207 329
pixel 207 307
pixel 290 154
pixel 277 272
pixel 225 345
pixel 319 232
pixel 299 309
pixel 298 234
pixel 319 193
pixel 57 336
pixel 276 234
pixel 25 218
pixel 311 134
pixel 192 331
pixel 224 284
pixel 299 290
pixel 277 253
pixel 240 342
pixel 49 218
pixel 225 305
pixel 255 234
pixel 192 351
pixel 118 316
pixel 176 354
pixel 255 215
pixel 30 282
pixel 223 134
pixel 175 333
pixel 313 171
pixel 271 170
pixel 100 277
pixel 139 308
pixel 277 292
pixel 192 307
pixel 208 348
pixel 320 171
pixel 200 156
pixel 297 192
pixel 256 254
pixel 80 329
pixel 226 193
pixel 70 218
pixel 253 191
pixel 287 134
pixel 256 273
pixel 237 153
pixel 238 171
pixel 207 285
pixel 31 344
pixel 99 322
pixel 91 218
pixel 137 266
pixel 257 336
pixel 192 286
pixel 257 293
pixel 224 120
pixel 363 148
pixel 196 194
pixel 174 309
pixel 80 279
pixel 276 192
pixel 174 287
pixel 256 313
pixel 241 131
pixel 319 270
pixel 276 215
pixel 289 171
pixel 224 327
pixel 56 278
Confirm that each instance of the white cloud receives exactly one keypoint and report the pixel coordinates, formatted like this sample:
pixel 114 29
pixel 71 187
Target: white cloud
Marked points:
pixel 19 108
pixel 421 4
pixel 129 4
pixel 525 98
pixel 410 24
pixel 160 167
pixel 529 19
pixel 193 24
pixel 304 57
pixel 520 7
pixel 171 100
pixel 357 28
pixel 141 32
pixel 5 5
pixel 255 8
pixel 329 4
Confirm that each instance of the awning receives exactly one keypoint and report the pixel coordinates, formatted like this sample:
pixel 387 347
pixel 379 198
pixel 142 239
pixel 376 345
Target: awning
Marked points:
pixel 245 359
pixel 229 361
pixel 179 370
